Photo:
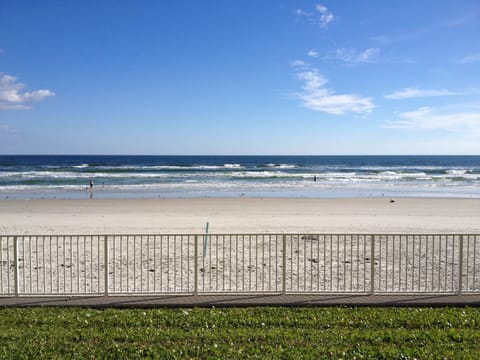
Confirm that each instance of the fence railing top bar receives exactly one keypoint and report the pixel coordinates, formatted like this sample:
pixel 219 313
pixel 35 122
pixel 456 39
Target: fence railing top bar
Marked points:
pixel 245 234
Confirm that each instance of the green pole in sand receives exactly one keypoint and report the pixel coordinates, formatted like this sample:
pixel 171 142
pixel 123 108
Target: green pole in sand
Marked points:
pixel 205 241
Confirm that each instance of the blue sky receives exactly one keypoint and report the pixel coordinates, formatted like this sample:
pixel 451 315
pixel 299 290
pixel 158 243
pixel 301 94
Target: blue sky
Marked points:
pixel 239 77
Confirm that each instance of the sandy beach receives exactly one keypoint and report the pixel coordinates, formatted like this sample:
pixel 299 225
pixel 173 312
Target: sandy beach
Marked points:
pixel 240 215
pixel 144 263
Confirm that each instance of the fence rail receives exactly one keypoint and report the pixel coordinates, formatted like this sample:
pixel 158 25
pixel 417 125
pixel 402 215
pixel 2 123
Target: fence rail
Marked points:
pixel 238 263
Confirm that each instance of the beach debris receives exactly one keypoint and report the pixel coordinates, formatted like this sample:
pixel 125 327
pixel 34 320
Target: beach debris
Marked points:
pixel 315 261
pixel 309 237
pixel 392 201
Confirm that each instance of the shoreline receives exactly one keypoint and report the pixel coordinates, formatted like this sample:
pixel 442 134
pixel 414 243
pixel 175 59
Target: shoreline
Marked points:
pixel 240 215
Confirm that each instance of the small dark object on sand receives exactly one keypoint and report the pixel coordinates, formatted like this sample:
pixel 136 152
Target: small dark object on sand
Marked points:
pixel 392 201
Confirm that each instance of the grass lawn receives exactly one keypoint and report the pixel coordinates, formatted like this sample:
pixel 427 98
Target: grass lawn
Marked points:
pixel 242 333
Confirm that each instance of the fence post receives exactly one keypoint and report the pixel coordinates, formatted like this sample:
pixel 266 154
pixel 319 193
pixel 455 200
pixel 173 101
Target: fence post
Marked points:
pixel 15 269
pixel 460 270
pixel 284 264
pixel 195 268
pixel 372 265
pixel 105 254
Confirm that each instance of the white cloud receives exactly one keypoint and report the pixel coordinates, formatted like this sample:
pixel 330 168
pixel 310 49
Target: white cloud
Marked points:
pixel 313 53
pixel 352 56
pixel 409 93
pixel 326 16
pixel 321 15
pixel 298 63
pixel 429 118
pixel 470 59
pixel 315 96
pixel 12 97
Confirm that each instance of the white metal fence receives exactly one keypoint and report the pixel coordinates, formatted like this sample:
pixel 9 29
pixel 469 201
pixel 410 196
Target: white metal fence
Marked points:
pixel 243 263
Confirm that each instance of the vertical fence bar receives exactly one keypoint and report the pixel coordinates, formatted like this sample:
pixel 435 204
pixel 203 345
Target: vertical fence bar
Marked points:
pixel 284 264
pixel 105 256
pixel 372 265
pixel 475 239
pixel 15 261
pixel 460 264
pixel 195 271
pixel 1 266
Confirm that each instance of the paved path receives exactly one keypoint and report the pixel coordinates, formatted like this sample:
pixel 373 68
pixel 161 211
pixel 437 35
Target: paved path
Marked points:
pixel 242 300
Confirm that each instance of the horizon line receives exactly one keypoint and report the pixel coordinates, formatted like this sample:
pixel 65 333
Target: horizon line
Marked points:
pixel 239 155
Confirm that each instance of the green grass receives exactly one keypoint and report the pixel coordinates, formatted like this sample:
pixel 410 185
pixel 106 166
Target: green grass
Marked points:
pixel 281 333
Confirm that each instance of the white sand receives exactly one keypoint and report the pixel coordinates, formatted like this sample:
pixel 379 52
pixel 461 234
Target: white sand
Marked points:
pixel 167 216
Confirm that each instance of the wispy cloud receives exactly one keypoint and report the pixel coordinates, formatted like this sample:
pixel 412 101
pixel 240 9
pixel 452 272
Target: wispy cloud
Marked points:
pixel 313 53
pixel 12 97
pixel 321 15
pixel 382 39
pixel 316 96
pixel 352 56
pixel 300 12
pixel 326 16
pixel 460 20
pixel 410 93
pixel 429 118
pixel 424 31
pixel 5 129
pixel 298 64
pixel 474 58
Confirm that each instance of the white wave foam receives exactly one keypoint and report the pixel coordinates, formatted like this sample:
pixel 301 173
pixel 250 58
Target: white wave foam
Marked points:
pixel 75 175
pixel 168 167
pixel 281 166
pixel 457 172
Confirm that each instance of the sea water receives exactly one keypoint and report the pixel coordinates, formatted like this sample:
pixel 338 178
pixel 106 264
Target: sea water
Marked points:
pixel 68 177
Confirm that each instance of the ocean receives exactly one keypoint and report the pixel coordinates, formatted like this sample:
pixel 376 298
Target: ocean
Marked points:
pixel 68 177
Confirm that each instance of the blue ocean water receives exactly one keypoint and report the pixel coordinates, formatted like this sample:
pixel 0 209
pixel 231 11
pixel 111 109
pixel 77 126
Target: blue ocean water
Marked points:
pixel 68 177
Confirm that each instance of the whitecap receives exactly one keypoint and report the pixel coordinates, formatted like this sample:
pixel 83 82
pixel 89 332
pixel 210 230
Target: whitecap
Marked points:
pixel 281 166
pixel 457 172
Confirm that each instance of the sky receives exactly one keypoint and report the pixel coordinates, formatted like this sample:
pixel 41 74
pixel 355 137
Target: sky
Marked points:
pixel 250 77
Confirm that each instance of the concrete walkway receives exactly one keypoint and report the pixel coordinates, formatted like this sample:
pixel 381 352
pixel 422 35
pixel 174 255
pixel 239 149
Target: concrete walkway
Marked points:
pixel 242 300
